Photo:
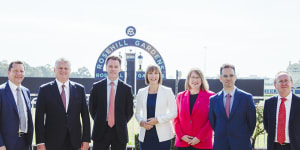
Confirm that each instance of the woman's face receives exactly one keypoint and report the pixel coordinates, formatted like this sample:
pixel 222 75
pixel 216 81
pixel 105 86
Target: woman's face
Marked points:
pixel 153 77
pixel 195 81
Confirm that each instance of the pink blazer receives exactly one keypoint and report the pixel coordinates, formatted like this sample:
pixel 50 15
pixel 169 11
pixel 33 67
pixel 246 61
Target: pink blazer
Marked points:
pixel 197 124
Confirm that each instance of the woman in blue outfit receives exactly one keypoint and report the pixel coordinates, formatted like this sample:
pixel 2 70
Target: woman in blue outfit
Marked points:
pixel 155 109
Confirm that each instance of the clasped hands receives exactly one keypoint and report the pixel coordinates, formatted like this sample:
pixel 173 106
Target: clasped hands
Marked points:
pixel 190 140
pixel 149 123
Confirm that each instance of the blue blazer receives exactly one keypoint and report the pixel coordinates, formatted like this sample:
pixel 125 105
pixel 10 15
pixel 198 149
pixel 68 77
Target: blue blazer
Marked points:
pixel 9 117
pixel 269 120
pixel 235 132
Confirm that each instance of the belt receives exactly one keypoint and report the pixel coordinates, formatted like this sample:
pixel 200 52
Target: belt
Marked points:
pixel 283 144
pixel 21 134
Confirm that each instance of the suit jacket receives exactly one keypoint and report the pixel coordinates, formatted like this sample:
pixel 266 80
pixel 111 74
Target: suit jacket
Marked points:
pixel 123 109
pixel 236 131
pixel 195 124
pixel 165 111
pixel 53 123
pixel 269 120
pixel 9 117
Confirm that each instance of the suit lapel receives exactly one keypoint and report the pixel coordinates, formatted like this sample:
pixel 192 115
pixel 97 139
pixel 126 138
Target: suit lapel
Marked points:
pixel 11 97
pixel 274 110
pixel 71 96
pixel 221 103
pixel 57 96
pixel 118 94
pixel 28 105
pixel 236 101
pixel 186 104
pixel 26 98
pixel 293 109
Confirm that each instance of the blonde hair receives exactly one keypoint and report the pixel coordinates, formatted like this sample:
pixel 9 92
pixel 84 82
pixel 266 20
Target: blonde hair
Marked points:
pixel 204 84
pixel 153 68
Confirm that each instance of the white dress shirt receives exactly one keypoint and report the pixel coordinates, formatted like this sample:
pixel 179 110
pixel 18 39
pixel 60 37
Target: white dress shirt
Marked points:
pixel 13 89
pixel 67 91
pixel 287 104
pixel 108 93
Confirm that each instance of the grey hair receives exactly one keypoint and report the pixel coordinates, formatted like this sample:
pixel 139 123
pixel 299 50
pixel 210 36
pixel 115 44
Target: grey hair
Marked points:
pixel 62 59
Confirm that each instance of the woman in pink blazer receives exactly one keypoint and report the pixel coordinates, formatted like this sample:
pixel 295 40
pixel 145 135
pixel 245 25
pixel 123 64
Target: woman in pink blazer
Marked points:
pixel 193 131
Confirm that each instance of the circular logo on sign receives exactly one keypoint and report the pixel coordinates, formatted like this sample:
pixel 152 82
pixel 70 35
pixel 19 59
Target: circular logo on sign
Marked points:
pixel 130 31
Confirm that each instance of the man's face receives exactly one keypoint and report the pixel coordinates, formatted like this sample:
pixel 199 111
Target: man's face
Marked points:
pixel 16 74
pixel 113 68
pixel 62 71
pixel 228 78
pixel 283 84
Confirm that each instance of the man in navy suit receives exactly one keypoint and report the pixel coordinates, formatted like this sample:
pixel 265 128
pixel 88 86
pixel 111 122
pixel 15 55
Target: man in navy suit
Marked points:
pixel 232 114
pixel 60 109
pixel 281 115
pixel 16 127
pixel 111 107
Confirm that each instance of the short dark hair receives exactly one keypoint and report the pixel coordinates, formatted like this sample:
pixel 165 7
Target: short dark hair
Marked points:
pixel 15 62
pixel 150 69
pixel 227 66
pixel 113 57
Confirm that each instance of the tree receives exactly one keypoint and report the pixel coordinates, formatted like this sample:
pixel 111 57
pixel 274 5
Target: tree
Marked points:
pixel 259 129
pixel 82 72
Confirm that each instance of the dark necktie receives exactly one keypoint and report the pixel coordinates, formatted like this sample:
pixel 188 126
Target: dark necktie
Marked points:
pixel 227 105
pixel 281 122
pixel 111 109
pixel 21 110
pixel 63 95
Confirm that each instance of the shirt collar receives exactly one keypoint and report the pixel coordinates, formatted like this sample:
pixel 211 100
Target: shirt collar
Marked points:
pixel 288 98
pixel 13 86
pixel 231 93
pixel 115 81
pixel 59 84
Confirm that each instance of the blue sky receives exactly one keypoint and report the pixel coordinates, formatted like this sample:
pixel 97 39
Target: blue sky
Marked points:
pixel 258 37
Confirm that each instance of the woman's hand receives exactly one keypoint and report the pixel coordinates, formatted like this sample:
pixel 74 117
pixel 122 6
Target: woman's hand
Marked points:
pixel 152 121
pixel 187 138
pixel 146 125
pixel 194 141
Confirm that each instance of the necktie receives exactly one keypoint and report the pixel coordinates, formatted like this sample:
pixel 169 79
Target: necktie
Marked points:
pixel 63 95
pixel 111 111
pixel 227 105
pixel 281 122
pixel 21 110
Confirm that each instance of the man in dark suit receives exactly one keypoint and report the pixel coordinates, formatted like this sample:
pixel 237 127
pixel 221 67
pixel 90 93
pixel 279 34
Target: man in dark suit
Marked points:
pixel 232 114
pixel 281 115
pixel 60 104
pixel 111 107
pixel 16 127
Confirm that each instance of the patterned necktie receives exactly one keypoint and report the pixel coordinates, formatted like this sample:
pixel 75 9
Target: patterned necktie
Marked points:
pixel 111 109
pixel 281 122
pixel 227 105
pixel 63 95
pixel 21 110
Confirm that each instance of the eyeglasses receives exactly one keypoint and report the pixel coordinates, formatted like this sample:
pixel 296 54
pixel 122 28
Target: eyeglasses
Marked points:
pixel 226 76
pixel 194 78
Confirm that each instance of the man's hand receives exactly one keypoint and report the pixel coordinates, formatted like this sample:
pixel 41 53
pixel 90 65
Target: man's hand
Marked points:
pixel 84 146
pixel 2 148
pixel 41 147
pixel 194 141
pixel 187 138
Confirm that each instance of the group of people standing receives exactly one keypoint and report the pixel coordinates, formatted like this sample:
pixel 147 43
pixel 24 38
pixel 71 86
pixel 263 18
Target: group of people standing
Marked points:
pixel 62 117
